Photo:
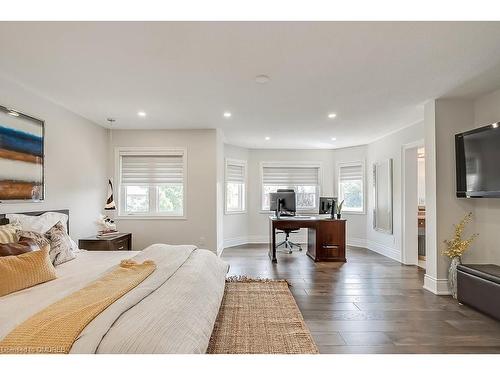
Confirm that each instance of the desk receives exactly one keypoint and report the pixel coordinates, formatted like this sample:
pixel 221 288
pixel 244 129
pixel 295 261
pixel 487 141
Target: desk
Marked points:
pixel 325 236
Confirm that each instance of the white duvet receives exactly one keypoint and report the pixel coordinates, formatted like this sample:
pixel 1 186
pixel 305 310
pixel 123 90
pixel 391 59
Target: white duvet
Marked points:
pixel 172 311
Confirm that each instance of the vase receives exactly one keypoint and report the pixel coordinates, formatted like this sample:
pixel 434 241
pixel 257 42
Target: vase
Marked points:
pixel 452 275
pixel 339 216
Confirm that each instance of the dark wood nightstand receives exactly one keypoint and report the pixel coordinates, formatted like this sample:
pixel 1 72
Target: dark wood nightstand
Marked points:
pixel 118 242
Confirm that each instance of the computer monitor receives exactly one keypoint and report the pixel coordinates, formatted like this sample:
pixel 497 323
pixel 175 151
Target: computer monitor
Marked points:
pixel 287 199
pixel 325 205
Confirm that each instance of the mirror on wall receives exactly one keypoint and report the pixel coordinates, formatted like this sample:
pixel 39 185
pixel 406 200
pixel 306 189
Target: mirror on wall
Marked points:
pixel 382 191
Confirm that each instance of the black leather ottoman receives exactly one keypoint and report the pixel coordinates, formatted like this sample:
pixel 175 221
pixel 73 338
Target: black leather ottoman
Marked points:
pixel 478 286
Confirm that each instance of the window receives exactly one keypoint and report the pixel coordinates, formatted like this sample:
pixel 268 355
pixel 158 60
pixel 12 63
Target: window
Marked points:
pixel 304 179
pixel 235 186
pixel 351 186
pixel 151 182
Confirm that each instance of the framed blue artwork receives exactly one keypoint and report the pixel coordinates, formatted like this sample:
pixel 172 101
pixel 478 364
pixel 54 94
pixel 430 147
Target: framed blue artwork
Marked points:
pixel 21 157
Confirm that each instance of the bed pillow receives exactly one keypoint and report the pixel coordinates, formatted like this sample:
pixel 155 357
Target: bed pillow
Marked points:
pixel 41 223
pixel 25 270
pixel 59 241
pixel 8 233
pixel 17 248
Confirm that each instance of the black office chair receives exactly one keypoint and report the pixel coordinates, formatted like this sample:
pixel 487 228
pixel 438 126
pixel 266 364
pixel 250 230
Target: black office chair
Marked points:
pixel 288 244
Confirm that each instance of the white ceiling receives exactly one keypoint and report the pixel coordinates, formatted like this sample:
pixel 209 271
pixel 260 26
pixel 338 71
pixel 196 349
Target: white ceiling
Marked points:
pixel 375 76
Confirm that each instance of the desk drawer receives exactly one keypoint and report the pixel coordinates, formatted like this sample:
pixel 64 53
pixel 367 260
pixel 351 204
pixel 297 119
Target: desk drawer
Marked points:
pixel 330 251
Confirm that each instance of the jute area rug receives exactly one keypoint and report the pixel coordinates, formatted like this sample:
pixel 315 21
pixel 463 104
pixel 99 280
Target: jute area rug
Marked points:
pixel 260 317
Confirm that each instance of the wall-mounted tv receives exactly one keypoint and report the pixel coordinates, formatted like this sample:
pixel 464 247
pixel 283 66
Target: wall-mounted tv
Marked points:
pixel 477 155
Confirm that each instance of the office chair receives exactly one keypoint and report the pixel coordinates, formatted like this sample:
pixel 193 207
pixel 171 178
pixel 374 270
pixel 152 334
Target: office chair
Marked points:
pixel 288 244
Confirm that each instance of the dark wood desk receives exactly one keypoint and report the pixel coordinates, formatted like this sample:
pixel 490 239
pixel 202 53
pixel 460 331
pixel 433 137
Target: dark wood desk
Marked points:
pixel 325 236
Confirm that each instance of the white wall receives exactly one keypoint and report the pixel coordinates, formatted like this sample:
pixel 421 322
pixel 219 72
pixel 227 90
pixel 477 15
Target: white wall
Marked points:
pixel 219 156
pixel 75 160
pixel 356 223
pixel 200 225
pixel 258 221
pixel 486 210
pixel 252 226
pixel 443 119
pixel 236 225
pixel 389 147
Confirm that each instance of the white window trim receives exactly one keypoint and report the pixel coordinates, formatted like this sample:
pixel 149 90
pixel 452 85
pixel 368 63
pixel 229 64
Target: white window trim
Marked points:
pixel 244 164
pixel 119 151
pixel 337 176
pixel 285 164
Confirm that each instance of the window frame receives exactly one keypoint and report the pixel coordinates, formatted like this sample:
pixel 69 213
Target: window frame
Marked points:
pixel 153 193
pixel 244 164
pixel 358 163
pixel 287 164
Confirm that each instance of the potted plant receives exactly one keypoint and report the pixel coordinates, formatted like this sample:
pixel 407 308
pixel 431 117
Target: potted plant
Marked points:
pixel 455 248
pixel 339 209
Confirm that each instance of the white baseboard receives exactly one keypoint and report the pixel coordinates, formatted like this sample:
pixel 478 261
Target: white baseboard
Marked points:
pixel 436 286
pixel 236 241
pixel 384 250
pixel 302 239
pixel 257 239
pixel 254 239
pixel 356 242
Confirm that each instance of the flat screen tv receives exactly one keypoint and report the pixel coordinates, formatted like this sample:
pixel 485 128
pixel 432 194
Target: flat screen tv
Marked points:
pixel 477 155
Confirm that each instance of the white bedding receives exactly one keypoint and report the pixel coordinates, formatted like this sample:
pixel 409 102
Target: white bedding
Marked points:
pixel 172 311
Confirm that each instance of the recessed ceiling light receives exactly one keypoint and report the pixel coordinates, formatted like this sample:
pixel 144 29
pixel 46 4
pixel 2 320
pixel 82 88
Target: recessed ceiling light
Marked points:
pixel 267 138
pixel 13 113
pixel 332 115
pixel 334 139
pixel 141 114
pixel 262 78
pixel 227 114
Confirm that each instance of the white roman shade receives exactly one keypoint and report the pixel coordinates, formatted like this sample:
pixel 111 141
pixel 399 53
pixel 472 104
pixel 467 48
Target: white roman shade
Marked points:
pixel 351 172
pixel 290 175
pixel 235 172
pixel 152 169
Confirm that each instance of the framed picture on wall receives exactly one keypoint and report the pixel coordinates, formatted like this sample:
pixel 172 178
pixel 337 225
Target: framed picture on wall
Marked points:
pixel 21 157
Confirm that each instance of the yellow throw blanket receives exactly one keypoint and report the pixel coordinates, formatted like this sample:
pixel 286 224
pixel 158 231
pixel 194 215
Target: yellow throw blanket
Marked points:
pixel 55 328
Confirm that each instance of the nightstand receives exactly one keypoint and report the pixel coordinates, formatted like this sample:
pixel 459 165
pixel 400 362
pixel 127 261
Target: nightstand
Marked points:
pixel 118 242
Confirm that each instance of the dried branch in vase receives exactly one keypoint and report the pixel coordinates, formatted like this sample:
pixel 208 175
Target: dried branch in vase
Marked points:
pixel 457 246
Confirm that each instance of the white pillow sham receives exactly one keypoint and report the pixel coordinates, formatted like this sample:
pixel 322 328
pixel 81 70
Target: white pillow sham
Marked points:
pixel 42 223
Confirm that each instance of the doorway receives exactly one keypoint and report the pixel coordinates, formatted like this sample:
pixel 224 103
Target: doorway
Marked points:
pixel 413 204
pixel 421 205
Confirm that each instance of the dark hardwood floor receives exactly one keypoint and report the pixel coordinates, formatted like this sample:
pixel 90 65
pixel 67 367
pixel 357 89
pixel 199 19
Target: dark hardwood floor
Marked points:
pixel 371 304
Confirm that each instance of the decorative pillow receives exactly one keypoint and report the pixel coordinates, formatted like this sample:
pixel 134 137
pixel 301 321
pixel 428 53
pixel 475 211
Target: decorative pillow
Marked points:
pixel 8 233
pixel 17 248
pixel 59 241
pixel 41 223
pixel 25 270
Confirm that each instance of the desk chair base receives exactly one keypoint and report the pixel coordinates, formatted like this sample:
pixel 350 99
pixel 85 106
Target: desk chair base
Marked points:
pixel 288 246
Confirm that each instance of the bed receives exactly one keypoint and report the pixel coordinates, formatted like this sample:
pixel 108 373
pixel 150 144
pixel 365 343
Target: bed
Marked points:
pixel 171 311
